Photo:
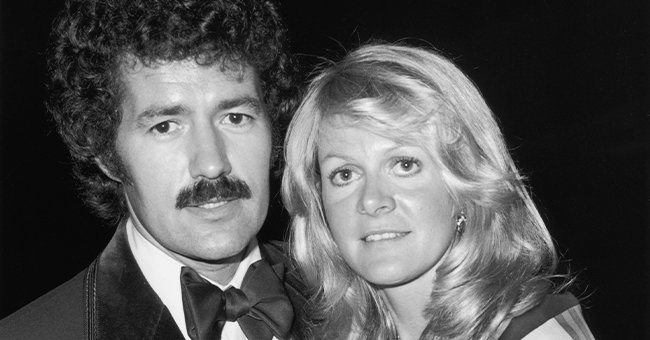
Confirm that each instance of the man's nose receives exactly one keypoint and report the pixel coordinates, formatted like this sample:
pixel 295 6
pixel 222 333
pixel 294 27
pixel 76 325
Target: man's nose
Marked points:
pixel 209 154
pixel 376 197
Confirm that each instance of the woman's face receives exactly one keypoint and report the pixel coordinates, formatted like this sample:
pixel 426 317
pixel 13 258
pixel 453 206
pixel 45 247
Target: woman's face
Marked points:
pixel 385 203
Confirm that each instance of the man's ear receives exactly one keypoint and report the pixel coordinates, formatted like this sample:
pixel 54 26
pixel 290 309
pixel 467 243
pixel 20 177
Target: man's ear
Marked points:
pixel 106 171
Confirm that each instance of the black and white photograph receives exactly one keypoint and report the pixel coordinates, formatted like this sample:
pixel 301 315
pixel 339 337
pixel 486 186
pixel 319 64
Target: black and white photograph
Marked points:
pixel 255 169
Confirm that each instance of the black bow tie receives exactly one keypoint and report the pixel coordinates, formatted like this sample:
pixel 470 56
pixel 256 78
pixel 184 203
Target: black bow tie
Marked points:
pixel 261 306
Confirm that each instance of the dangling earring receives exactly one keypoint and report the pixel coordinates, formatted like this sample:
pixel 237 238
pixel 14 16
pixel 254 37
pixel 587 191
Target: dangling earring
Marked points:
pixel 461 219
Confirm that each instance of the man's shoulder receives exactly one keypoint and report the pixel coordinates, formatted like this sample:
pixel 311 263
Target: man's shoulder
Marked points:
pixel 59 314
pixel 277 252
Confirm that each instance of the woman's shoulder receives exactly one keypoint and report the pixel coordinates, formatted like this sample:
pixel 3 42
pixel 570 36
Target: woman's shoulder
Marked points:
pixel 558 316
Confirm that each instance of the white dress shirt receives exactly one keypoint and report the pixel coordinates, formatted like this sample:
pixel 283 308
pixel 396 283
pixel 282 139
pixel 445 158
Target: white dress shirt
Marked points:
pixel 163 274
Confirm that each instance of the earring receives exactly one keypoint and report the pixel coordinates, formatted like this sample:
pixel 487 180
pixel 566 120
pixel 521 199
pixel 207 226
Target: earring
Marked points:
pixel 461 220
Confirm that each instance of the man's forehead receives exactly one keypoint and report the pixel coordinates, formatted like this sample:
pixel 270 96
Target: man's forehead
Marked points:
pixel 234 71
pixel 140 79
pixel 150 90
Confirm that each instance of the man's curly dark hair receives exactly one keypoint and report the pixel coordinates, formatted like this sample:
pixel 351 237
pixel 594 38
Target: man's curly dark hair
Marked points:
pixel 92 39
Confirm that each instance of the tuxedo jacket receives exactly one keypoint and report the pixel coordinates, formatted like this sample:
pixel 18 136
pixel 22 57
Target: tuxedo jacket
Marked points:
pixel 111 299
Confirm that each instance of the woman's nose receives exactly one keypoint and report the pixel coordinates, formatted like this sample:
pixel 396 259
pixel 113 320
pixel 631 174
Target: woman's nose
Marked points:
pixel 376 198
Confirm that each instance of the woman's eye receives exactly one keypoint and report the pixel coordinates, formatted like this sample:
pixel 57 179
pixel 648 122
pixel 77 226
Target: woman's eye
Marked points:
pixel 407 166
pixel 342 177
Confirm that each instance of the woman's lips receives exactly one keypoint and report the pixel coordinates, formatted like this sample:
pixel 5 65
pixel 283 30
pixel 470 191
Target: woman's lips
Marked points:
pixel 384 236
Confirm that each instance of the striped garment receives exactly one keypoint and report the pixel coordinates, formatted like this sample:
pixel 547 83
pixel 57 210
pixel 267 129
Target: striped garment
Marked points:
pixel 557 317
pixel 569 325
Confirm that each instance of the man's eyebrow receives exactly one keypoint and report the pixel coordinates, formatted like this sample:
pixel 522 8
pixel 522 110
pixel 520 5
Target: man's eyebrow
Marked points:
pixel 255 103
pixel 158 111
pixel 177 110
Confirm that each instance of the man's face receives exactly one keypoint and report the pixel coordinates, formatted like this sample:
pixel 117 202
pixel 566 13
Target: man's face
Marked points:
pixel 196 144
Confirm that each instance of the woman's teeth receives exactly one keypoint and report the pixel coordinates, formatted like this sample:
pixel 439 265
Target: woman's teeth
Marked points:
pixel 383 236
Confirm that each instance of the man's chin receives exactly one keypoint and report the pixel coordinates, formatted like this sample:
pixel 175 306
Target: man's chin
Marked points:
pixel 222 246
pixel 226 259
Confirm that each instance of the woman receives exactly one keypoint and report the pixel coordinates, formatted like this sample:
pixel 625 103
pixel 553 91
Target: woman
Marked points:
pixel 409 217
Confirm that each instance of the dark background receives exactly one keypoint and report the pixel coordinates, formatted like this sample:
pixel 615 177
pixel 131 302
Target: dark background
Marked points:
pixel 568 80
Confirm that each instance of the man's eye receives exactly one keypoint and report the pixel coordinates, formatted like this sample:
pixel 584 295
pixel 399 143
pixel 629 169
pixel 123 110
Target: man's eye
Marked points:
pixel 237 119
pixel 163 127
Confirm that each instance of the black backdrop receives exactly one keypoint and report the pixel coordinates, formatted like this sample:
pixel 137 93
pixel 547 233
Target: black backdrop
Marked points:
pixel 568 80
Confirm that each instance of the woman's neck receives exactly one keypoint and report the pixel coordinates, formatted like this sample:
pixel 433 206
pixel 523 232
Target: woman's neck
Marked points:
pixel 407 303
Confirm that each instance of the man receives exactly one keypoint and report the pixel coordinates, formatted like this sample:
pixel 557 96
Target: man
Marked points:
pixel 168 110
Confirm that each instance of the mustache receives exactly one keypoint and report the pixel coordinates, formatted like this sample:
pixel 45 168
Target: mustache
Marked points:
pixel 224 188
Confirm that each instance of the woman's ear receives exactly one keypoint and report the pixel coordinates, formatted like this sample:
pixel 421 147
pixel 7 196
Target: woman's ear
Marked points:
pixel 106 171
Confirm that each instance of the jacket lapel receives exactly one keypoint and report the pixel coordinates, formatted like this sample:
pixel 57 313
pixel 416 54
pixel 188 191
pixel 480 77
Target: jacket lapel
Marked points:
pixel 274 253
pixel 123 304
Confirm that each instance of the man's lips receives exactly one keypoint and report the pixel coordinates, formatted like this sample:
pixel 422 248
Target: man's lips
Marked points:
pixel 212 204
pixel 385 235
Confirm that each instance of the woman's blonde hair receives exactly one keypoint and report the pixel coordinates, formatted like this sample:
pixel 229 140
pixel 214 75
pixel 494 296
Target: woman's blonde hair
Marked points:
pixel 501 265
